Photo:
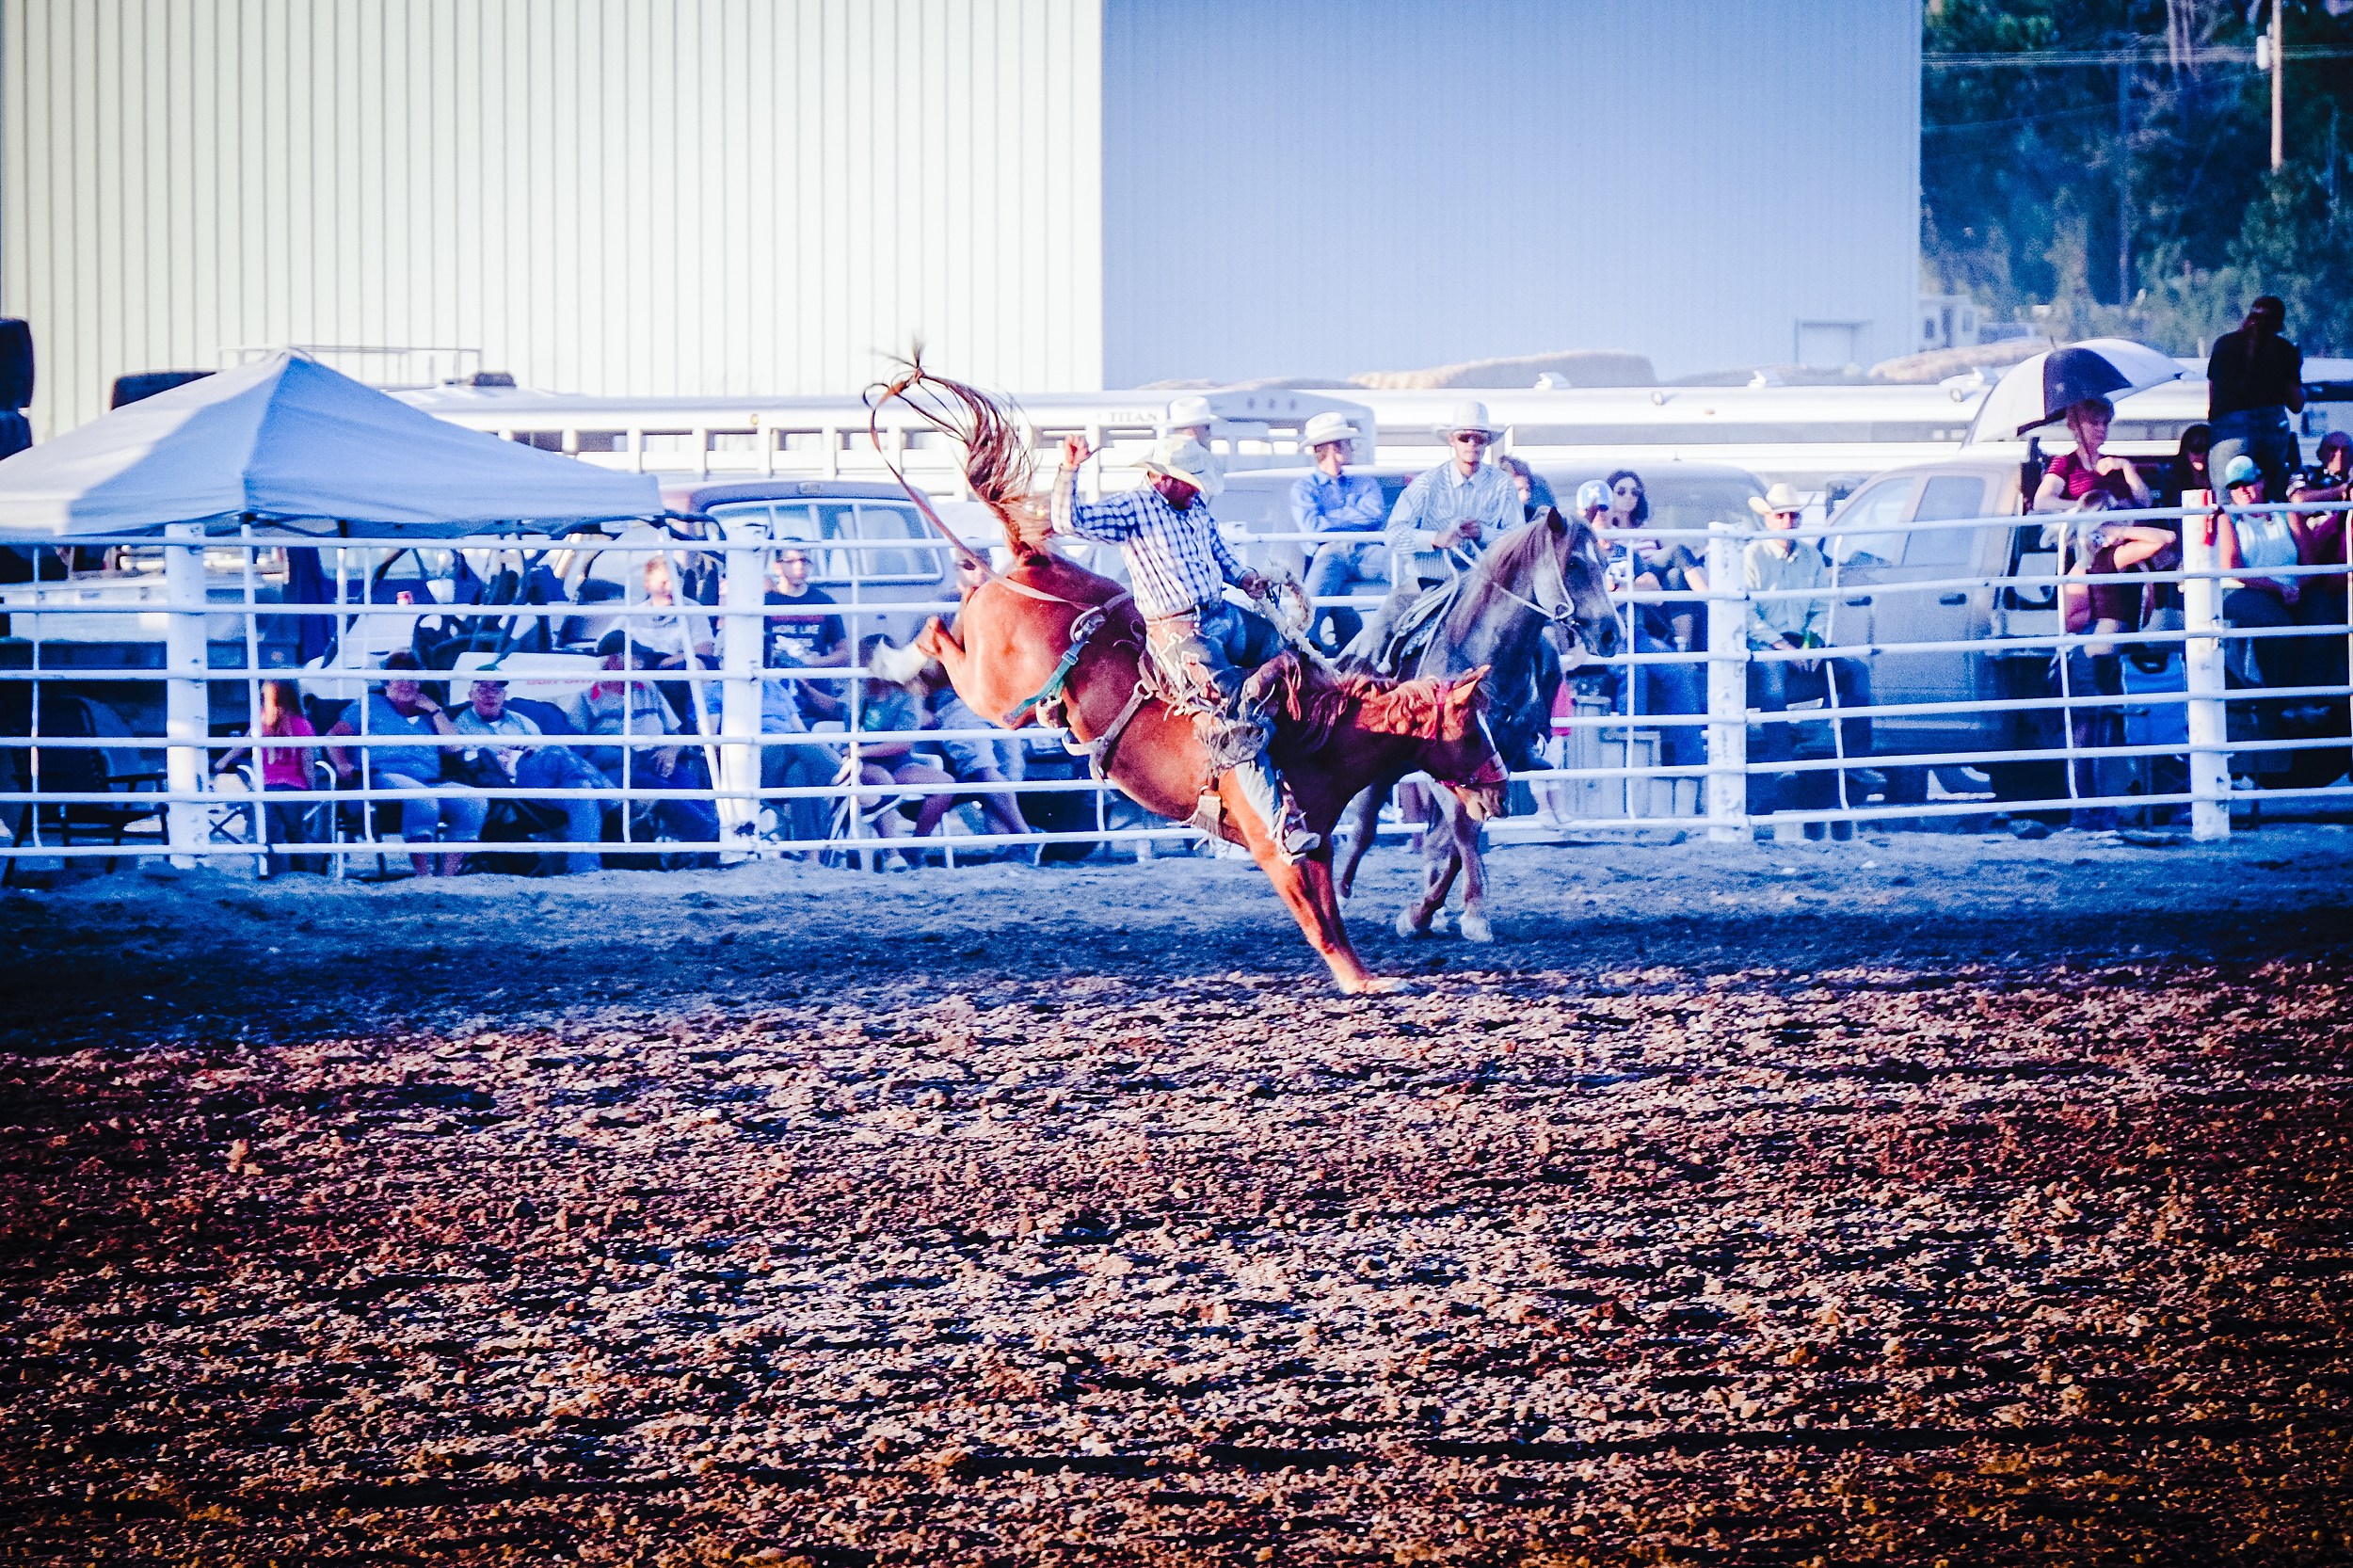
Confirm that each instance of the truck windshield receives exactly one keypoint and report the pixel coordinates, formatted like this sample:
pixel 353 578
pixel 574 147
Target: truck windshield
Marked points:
pixel 871 541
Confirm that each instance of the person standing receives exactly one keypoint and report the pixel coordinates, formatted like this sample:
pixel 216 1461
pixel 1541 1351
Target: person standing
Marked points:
pixel 1332 501
pixel 2255 380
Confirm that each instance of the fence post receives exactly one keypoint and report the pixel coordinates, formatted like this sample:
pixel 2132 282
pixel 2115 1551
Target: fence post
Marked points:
pixel 740 660
pixel 1727 690
pixel 2201 663
pixel 188 699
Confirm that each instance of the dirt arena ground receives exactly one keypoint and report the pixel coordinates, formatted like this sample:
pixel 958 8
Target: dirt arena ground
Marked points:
pixel 1926 1200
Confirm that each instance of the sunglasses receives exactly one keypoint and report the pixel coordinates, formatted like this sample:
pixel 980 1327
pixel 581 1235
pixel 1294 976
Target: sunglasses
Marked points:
pixel 1627 490
pixel 1472 438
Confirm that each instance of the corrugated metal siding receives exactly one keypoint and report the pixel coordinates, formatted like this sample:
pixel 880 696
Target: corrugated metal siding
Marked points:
pixel 1323 187
pixel 623 197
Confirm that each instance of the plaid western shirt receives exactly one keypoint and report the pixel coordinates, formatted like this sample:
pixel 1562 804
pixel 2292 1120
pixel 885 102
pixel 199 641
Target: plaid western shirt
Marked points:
pixel 1175 560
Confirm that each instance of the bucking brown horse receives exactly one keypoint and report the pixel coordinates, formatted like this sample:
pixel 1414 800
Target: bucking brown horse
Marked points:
pixel 1011 653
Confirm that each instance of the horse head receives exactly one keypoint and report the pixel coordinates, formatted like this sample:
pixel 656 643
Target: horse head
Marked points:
pixel 1461 754
pixel 1573 591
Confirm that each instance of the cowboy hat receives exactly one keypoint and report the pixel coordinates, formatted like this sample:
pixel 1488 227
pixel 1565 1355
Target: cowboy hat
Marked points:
pixel 1183 457
pixel 1467 415
pixel 1782 497
pixel 1189 413
pixel 1330 425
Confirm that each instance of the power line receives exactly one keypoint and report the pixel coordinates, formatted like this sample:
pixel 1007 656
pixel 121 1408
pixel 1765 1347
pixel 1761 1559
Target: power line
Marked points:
pixel 2040 60
pixel 2043 118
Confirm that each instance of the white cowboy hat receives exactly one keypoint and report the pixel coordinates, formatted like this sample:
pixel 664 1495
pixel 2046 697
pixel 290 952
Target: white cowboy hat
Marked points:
pixel 1330 425
pixel 1468 415
pixel 1782 497
pixel 1187 413
pixel 1183 457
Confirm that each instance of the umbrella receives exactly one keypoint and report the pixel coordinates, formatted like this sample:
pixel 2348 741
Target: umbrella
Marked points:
pixel 2041 388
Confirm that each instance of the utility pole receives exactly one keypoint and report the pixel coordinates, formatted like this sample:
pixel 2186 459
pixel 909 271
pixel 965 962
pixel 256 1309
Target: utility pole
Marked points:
pixel 2123 184
pixel 2279 83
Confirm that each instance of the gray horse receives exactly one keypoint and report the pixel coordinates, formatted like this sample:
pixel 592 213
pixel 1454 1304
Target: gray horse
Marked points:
pixel 1547 574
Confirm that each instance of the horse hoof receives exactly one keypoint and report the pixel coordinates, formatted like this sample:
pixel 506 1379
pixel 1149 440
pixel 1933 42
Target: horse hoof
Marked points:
pixel 1475 927
pixel 1409 927
pixel 1379 985
pixel 1441 922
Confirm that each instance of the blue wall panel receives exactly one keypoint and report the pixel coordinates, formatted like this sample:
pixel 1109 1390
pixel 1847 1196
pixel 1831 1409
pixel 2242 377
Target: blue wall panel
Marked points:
pixel 1324 186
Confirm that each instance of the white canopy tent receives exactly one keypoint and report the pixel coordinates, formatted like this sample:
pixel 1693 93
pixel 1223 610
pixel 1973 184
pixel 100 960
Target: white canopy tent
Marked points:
pixel 285 440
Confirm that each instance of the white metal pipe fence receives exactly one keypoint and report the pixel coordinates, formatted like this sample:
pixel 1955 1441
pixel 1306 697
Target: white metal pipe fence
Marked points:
pixel 675 721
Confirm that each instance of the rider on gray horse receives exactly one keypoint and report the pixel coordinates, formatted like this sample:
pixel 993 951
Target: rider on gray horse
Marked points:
pixel 1202 647
pixel 1447 516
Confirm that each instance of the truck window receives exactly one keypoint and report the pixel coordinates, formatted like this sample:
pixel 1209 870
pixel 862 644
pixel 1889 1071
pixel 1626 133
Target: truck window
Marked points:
pixel 1948 497
pixel 883 522
pixel 1871 523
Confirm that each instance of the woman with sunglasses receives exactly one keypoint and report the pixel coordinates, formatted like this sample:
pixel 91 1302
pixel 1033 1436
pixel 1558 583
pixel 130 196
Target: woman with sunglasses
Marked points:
pixel 1649 565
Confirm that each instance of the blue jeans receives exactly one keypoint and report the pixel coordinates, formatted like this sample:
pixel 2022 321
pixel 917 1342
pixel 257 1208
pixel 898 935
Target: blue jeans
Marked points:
pixel 1668 689
pixel 560 768
pixel 1208 656
pixel 1773 686
pixel 1338 570
pixel 2263 433
pixel 457 809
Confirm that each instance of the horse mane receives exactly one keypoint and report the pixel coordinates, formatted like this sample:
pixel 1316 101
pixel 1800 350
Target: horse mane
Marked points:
pixel 1315 703
pixel 1513 559
pixel 998 463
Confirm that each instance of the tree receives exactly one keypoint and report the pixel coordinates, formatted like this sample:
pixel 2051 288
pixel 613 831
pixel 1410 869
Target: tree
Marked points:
pixel 2030 196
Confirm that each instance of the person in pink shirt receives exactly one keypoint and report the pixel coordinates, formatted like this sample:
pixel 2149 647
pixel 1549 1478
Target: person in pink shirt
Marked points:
pixel 285 771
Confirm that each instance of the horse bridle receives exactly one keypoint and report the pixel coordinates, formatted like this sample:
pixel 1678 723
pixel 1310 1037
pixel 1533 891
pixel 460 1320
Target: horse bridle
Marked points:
pixel 1491 772
pixel 1562 613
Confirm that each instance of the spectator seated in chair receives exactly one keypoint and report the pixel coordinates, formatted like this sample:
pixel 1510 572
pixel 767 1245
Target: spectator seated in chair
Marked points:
pixel 668 639
pixel 1780 563
pixel 798 764
pixel 538 767
pixel 970 761
pixel 628 706
pixel 418 736
pixel 890 709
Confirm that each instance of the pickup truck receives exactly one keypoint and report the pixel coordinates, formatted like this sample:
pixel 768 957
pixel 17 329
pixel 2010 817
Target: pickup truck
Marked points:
pixel 1883 544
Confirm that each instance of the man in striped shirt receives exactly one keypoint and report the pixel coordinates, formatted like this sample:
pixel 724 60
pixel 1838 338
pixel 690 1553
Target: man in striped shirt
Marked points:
pixel 1178 567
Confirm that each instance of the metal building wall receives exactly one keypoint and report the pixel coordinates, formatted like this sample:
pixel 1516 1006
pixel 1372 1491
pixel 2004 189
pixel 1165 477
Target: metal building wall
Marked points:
pixel 625 197
pixel 1324 186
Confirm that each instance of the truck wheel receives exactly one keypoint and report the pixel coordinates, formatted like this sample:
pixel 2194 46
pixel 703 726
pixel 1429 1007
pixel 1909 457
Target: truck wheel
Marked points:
pixel 1057 811
pixel 2028 780
pixel 2315 768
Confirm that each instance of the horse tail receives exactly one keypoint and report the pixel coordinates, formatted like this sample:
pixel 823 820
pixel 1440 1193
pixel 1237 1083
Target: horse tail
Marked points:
pixel 997 464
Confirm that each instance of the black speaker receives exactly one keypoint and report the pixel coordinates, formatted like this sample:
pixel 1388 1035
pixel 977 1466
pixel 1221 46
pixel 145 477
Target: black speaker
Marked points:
pixel 16 362
pixel 147 383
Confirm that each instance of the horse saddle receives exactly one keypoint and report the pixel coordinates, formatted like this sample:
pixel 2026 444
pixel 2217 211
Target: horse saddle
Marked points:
pixel 1411 631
